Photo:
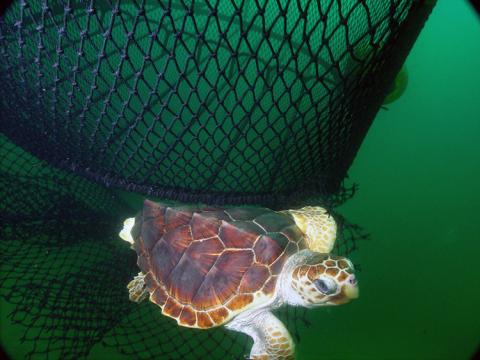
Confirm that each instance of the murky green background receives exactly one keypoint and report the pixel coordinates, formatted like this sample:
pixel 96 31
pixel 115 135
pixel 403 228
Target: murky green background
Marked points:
pixel 419 176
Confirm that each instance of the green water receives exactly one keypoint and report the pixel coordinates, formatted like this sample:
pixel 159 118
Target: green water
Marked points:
pixel 419 176
pixel 419 198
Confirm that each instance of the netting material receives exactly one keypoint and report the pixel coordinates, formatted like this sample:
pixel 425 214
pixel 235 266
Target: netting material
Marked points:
pixel 57 251
pixel 65 270
pixel 216 101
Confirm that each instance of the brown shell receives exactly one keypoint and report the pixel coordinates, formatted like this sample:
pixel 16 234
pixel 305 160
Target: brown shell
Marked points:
pixel 205 265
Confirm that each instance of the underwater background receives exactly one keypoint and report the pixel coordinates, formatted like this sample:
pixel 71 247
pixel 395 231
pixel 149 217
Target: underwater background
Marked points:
pixel 419 176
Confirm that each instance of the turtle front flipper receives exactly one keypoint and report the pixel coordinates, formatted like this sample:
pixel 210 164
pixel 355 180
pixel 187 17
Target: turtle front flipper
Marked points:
pixel 271 340
pixel 318 225
pixel 137 290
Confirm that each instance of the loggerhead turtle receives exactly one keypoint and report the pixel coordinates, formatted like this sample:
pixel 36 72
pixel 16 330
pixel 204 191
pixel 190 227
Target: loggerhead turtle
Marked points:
pixel 210 267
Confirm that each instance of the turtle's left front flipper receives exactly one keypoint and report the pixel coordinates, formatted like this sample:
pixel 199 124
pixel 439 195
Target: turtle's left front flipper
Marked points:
pixel 271 339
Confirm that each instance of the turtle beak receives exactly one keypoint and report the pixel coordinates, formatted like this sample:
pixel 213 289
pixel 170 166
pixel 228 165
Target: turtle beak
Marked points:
pixel 350 289
pixel 349 292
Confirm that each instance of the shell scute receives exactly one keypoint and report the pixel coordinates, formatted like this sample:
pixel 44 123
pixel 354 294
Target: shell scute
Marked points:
pixel 249 227
pixel 153 210
pixel 176 217
pixel 254 278
pixel 189 274
pixel 221 282
pixel 240 301
pixel 232 262
pixel 150 282
pixel 269 287
pixel 204 228
pixel 187 316
pixel 183 282
pixel 234 237
pixel 218 315
pixel 267 250
pixel 143 263
pixel 292 248
pixel 277 266
pixel 178 238
pixel 163 259
pixel 152 232
pixel 159 296
pixel 172 308
pixel 203 254
pixel 274 222
pixel 215 215
pixel 203 320
pixel 293 233
pixel 246 213
pixel 280 239
pixel 206 297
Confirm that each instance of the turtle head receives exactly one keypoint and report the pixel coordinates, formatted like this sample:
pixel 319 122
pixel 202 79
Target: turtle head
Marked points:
pixel 324 280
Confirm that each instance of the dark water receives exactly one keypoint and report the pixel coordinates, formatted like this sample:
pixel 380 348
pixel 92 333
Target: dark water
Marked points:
pixel 419 176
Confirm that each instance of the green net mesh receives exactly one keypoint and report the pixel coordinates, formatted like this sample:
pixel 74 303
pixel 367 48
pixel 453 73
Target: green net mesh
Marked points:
pixel 222 102
pixel 65 271
pixel 215 101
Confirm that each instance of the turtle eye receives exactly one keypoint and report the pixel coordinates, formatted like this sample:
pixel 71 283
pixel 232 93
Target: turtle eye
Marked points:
pixel 326 286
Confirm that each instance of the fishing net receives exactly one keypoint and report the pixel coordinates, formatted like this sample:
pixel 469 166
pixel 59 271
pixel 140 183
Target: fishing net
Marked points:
pixel 213 101
pixel 241 102
pixel 65 270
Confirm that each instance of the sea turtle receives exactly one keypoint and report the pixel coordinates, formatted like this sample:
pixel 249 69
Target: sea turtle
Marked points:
pixel 207 267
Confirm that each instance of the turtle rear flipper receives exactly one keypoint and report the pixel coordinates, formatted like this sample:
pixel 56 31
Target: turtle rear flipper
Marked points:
pixel 125 234
pixel 137 290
